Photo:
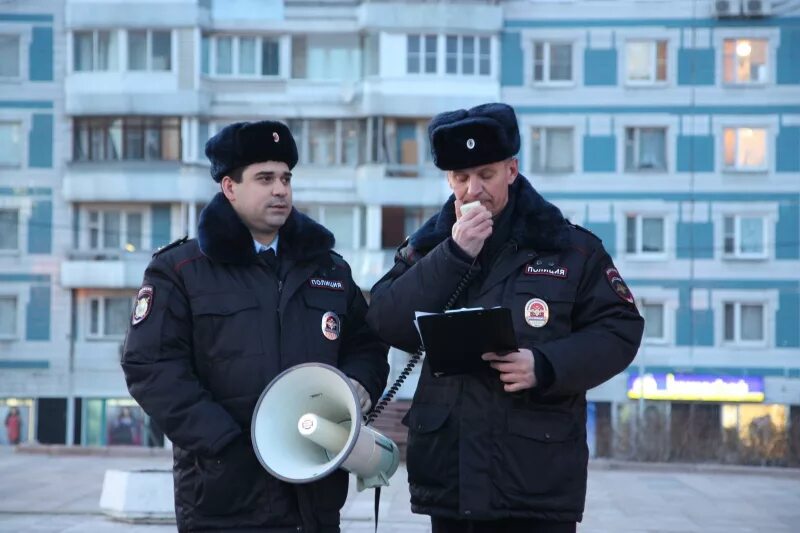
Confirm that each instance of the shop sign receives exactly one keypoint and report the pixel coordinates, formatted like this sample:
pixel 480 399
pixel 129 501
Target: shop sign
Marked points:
pixel 696 387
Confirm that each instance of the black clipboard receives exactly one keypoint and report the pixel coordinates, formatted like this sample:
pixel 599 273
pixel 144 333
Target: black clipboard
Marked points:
pixel 455 341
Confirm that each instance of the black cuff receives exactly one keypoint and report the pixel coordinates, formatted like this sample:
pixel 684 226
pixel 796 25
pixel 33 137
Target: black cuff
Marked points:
pixel 456 250
pixel 543 370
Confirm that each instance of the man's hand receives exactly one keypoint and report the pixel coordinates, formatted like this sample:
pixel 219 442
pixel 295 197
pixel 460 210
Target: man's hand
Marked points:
pixel 516 369
pixel 363 396
pixel 471 230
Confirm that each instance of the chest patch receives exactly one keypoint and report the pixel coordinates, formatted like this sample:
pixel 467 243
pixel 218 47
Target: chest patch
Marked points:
pixel 537 313
pixel 330 284
pixel 552 270
pixel 331 325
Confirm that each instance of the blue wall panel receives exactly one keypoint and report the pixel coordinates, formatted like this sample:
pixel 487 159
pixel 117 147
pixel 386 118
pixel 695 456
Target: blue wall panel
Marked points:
pixel 787 328
pixel 788 69
pixel 40 145
pixel 161 226
pixel 599 67
pixel 695 153
pixel 599 153
pixel 37 317
pixel 696 66
pixel 607 232
pixel 40 228
pixel 695 239
pixel 787 231
pixel 41 54
pixel 511 60
pixel 787 148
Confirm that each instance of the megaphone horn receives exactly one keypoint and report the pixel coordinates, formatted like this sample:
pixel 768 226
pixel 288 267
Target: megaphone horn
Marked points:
pixel 307 423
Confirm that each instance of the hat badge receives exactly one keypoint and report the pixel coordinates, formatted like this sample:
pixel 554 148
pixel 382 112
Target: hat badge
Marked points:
pixel 275 136
pixel 470 144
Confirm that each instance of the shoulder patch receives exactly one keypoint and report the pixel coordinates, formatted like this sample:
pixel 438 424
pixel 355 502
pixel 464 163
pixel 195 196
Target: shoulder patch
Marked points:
pixel 144 303
pixel 618 284
pixel 171 245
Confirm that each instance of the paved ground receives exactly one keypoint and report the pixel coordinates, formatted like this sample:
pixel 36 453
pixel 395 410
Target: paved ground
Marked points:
pixel 60 494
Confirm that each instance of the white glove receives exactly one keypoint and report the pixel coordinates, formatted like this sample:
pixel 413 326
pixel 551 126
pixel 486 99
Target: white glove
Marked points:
pixel 363 396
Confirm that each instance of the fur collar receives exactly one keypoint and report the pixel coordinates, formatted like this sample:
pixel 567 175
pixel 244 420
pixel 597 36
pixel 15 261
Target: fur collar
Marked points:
pixel 536 223
pixel 224 238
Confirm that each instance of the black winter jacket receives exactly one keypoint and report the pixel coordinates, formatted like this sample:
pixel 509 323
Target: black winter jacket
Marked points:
pixel 474 450
pixel 219 327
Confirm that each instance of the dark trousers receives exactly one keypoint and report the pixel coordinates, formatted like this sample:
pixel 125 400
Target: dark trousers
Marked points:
pixel 508 525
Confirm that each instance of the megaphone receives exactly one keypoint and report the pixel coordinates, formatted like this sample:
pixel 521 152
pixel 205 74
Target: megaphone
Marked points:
pixel 307 423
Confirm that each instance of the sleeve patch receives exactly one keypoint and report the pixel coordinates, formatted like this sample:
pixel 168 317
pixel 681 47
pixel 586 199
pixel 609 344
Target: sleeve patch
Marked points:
pixel 144 303
pixel 618 284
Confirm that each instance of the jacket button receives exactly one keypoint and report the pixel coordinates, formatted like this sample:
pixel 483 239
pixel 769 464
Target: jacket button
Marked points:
pixel 419 427
pixel 467 512
pixel 547 436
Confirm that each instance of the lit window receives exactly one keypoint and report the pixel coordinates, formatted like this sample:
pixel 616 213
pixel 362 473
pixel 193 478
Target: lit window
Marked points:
pixel 133 138
pixel 745 61
pixel 645 149
pixel 646 61
pixel 552 150
pixel 744 322
pixel 552 62
pixel 115 230
pixel 644 235
pixel 745 148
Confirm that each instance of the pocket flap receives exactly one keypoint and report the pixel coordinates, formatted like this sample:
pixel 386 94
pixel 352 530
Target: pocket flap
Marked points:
pixel 223 303
pixel 549 290
pixel 326 300
pixel 426 418
pixel 543 426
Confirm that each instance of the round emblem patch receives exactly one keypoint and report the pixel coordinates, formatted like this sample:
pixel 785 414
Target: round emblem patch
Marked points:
pixel 144 303
pixel 470 144
pixel 275 136
pixel 536 312
pixel 618 284
pixel 331 325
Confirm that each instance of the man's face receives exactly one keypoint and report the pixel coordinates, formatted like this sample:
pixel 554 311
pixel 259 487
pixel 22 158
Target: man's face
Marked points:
pixel 263 199
pixel 486 183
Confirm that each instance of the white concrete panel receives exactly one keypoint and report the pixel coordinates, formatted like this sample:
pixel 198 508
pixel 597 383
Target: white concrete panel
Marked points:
pixel 701 299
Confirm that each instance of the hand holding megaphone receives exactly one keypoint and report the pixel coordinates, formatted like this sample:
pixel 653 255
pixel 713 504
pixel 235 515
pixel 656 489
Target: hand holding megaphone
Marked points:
pixel 308 423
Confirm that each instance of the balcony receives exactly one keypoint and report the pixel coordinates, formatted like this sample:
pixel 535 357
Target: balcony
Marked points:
pixel 134 181
pixel 104 270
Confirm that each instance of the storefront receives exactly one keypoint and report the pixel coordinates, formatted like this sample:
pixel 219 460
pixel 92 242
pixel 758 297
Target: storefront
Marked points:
pixel 700 417
pixel 117 421
pixel 17 415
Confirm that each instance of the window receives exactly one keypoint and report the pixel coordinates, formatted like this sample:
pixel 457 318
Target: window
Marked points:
pixel 149 50
pixel 115 230
pixel 645 149
pixel 551 150
pixel 421 54
pixel 10 56
pixel 744 322
pixel 745 61
pixel 653 313
pixel 646 62
pixel 467 55
pixel 322 142
pixel 745 237
pixel 10 144
pixel 109 316
pixel 339 219
pixel 9 230
pixel 745 148
pixel 552 62
pixel 644 235
pixel 352 140
pixel 95 51
pixel 132 138
pixel 241 56
pixel 8 316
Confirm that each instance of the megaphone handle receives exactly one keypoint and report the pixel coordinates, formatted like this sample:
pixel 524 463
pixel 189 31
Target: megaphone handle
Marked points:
pixel 416 356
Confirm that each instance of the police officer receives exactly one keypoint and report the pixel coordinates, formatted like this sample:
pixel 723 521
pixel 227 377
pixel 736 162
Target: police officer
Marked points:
pixel 504 449
pixel 259 291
